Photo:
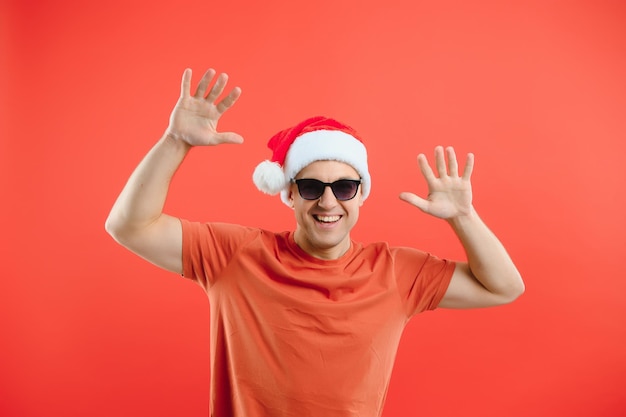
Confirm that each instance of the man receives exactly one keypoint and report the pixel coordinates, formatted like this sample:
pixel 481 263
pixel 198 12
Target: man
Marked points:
pixel 306 323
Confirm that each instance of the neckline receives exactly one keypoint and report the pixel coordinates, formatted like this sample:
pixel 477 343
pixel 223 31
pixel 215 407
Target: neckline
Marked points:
pixel 301 253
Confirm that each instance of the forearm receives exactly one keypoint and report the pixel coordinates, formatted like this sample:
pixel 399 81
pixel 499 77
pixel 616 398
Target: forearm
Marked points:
pixel 487 258
pixel 143 197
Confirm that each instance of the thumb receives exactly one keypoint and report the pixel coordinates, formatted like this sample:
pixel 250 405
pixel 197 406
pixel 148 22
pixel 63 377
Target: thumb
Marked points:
pixel 229 137
pixel 414 200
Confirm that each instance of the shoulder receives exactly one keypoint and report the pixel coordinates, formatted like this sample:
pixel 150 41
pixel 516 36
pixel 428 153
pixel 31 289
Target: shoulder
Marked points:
pixel 402 261
pixel 218 228
pixel 230 234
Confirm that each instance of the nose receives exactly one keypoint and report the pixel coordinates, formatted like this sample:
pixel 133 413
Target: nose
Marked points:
pixel 327 199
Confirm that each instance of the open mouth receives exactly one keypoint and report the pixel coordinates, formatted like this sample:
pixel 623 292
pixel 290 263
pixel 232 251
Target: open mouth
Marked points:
pixel 326 219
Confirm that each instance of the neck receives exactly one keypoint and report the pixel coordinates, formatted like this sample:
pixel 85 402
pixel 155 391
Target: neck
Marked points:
pixel 320 252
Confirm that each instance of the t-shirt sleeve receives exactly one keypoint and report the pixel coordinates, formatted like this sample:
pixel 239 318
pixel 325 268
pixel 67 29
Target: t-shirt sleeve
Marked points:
pixel 422 279
pixel 208 248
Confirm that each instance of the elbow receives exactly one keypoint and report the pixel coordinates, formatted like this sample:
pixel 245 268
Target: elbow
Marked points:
pixel 124 230
pixel 515 290
pixel 114 227
pixel 519 287
pixel 111 227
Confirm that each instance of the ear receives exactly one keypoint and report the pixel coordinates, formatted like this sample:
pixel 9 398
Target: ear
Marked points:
pixel 290 197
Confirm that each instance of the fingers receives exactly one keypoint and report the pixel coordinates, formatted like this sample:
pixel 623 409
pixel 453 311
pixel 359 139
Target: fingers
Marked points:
pixel 213 92
pixel 205 81
pixel 449 168
pixel 203 85
pixel 440 162
pixel 185 83
pixel 453 166
pixel 425 168
pixel 218 87
pixel 469 166
pixel 229 100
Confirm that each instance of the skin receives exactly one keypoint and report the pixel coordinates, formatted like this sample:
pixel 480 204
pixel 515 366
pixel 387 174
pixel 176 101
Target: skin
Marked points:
pixel 137 221
pixel 489 277
pixel 325 240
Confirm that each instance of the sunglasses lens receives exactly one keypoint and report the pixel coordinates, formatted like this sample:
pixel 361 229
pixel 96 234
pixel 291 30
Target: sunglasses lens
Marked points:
pixel 311 189
pixel 344 189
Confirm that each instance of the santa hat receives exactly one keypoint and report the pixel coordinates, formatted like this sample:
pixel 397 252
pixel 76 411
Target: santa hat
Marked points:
pixel 315 139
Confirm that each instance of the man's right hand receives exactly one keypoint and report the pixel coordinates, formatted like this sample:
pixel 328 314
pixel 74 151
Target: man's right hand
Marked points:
pixel 194 119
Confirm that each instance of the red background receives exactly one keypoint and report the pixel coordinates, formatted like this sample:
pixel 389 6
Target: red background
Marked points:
pixel 536 89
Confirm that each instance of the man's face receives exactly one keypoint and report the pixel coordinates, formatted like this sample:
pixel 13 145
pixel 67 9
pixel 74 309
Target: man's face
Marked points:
pixel 324 224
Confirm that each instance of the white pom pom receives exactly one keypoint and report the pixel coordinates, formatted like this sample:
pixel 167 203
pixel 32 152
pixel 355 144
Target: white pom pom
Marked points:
pixel 269 177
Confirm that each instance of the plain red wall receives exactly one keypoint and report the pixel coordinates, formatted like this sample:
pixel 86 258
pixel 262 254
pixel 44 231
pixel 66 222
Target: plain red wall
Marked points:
pixel 536 89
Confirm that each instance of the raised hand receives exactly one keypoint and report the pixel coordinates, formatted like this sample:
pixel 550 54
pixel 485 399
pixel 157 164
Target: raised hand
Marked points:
pixel 194 118
pixel 449 195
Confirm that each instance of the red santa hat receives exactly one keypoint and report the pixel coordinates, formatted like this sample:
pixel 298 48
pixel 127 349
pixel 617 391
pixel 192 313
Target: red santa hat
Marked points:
pixel 314 139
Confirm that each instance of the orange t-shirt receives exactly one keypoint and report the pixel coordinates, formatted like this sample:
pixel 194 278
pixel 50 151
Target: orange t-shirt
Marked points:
pixel 293 335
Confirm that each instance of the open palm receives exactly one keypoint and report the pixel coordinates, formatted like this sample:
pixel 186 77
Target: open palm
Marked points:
pixel 449 194
pixel 195 117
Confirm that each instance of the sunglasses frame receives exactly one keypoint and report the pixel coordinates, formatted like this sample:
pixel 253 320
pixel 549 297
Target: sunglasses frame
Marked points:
pixel 328 184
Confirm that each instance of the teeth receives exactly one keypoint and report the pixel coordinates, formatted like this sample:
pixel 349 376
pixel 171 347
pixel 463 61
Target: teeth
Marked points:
pixel 327 219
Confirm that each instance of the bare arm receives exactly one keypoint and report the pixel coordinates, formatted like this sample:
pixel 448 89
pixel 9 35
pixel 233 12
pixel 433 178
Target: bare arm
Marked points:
pixel 137 220
pixel 489 277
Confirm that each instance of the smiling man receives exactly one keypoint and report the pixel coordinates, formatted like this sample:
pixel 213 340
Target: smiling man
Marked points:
pixel 327 163
pixel 306 323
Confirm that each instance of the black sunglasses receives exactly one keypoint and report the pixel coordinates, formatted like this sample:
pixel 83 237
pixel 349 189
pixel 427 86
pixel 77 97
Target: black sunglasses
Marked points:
pixel 312 189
